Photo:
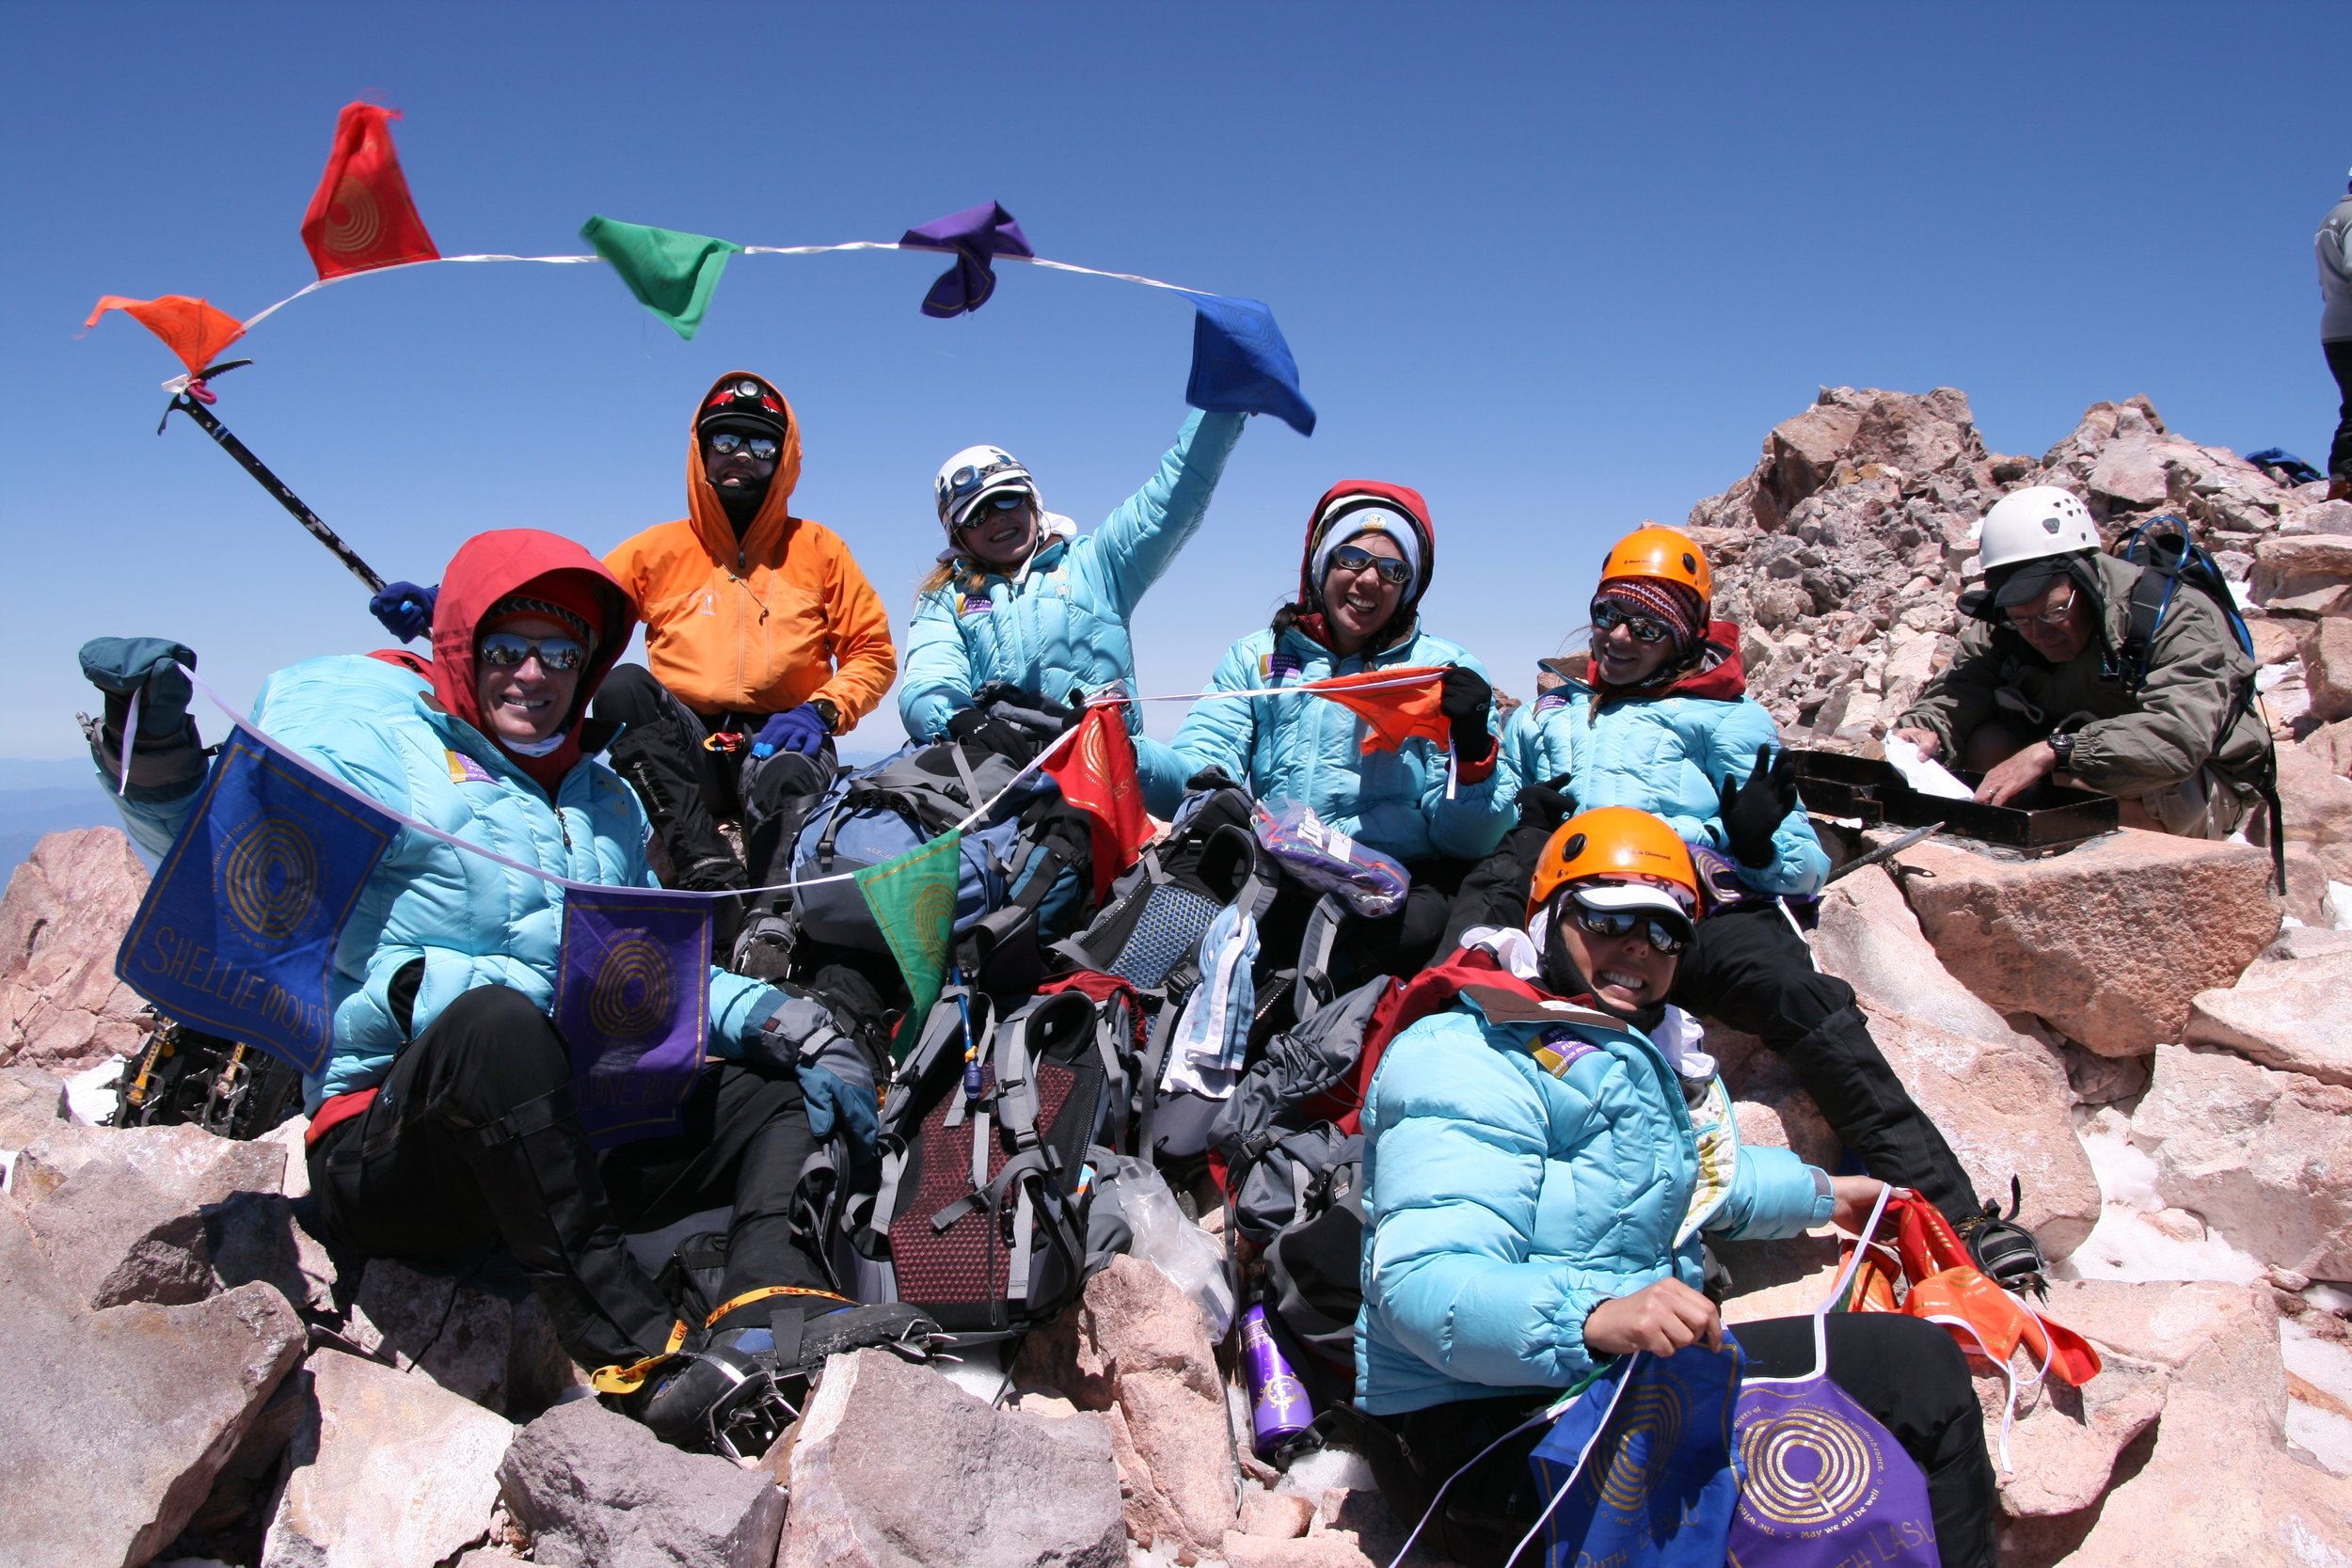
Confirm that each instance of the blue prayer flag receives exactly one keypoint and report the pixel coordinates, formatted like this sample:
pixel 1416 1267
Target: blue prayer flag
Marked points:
pixel 978 235
pixel 632 998
pixel 237 933
pixel 1241 365
pixel 1639 1468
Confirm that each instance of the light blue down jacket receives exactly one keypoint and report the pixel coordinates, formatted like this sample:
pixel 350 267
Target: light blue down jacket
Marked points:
pixel 1504 1203
pixel 1309 748
pixel 473 921
pixel 1661 754
pixel 1063 624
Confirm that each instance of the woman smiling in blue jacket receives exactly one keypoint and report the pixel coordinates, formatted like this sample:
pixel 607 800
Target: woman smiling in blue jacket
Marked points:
pixel 1021 597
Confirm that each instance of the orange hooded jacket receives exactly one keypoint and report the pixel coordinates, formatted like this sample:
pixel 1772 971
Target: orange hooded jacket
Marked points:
pixel 763 624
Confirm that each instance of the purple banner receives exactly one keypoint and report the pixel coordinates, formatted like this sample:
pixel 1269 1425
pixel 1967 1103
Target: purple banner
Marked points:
pixel 1823 1484
pixel 632 999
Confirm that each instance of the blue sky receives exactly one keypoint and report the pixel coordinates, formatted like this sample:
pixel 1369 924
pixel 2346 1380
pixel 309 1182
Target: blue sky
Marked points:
pixel 1561 268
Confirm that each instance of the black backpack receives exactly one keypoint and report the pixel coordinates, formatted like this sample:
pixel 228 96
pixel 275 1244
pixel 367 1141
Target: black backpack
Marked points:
pixel 999 1131
pixel 2171 562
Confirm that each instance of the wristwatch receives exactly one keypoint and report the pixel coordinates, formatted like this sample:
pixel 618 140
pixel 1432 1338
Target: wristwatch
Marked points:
pixel 2062 747
pixel 830 714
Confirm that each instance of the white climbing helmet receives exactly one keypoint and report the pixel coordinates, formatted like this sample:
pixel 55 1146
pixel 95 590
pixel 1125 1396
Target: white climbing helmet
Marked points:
pixel 2030 524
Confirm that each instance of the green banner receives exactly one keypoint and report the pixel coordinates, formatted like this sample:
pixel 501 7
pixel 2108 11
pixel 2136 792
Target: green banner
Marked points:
pixel 672 274
pixel 913 900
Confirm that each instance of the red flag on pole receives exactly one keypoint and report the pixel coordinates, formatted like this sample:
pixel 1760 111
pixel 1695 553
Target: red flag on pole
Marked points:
pixel 1396 705
pixel 189 328
pixel 1097 774
pixel 361 217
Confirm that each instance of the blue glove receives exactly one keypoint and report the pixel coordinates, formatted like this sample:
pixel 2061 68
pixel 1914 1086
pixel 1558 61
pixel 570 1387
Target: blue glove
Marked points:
pixel 799 729
pixel 405 610
pixel 831 1103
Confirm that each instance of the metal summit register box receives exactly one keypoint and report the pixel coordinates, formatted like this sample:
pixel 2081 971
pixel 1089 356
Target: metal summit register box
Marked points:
pixel 2047 816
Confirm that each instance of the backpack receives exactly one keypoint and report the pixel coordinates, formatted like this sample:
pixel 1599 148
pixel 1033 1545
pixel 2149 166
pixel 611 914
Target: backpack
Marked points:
pixel 2170 560
pixel 1030 853
pixel 2285 466
pixel 998 1133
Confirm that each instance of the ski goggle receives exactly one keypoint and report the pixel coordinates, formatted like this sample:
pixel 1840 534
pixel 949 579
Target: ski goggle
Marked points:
pixel 506 650
pixel 1607 618
pixel 1664 933
pixel 1354 558
pixel 726 443
pixel 972 475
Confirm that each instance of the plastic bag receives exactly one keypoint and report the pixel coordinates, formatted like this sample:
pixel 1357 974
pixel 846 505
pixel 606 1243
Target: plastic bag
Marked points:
pixel 1174 1245
pixel 1321 857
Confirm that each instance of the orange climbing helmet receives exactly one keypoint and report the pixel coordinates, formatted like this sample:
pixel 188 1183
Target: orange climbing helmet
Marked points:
pixel 1664 553
pixel 1622 844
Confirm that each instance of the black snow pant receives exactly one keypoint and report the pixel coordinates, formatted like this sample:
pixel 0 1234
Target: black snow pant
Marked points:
pixel 1750 969
pixel 2340 451
pixel 687 787
pixel 1908 1374
pixel 473 1140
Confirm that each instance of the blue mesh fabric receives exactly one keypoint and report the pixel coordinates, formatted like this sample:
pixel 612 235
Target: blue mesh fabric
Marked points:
pixel 1168 932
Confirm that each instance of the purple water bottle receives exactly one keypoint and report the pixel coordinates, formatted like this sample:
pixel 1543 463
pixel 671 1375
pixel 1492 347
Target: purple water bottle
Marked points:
pixel 1277 1400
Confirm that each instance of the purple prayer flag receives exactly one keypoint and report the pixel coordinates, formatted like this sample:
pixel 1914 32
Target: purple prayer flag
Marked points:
pixel 1242 365
pixel 632 998
pixel 978 235
pixel 1822 1483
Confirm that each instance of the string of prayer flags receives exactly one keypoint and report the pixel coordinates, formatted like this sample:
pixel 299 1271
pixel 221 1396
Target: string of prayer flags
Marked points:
pixel 671 273
pixel 978 235
pixel 361 217
pixel 191 328
pixel 1396 705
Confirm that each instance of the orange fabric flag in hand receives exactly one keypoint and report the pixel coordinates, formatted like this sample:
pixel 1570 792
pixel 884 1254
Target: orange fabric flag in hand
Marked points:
pixel 189 328
pixel 1097 774
pixel 1395 705
pixel 361 217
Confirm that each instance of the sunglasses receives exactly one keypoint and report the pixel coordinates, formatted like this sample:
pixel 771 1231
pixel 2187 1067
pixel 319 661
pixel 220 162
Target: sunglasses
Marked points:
pixel 1005 502
pixel 2053 617
pixel 1664 934
pixel 726 443
pixel 505 650
pixel 1354 558
pixel 972 475
pixel 1608 618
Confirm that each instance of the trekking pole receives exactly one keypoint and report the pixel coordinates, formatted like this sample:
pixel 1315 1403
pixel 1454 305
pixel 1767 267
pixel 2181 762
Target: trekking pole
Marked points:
pixel 191 400
pixel 1886 851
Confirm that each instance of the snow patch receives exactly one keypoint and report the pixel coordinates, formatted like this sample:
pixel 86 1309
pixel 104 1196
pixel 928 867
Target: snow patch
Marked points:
pixel 2137 1238
pixel 89 1095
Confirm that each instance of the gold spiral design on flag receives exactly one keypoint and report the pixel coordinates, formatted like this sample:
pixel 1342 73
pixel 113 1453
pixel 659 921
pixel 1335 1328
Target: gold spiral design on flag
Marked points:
pixel 934 917
pixel 1846 1464
pixel 353 223
pixel 1649 1421
pixel 1094 752
pixel 269 878
pixel 630 997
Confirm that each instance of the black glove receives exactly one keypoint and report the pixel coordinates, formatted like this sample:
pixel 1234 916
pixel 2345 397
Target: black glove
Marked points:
pixel 985 732
pixel 1546 805
pixel 165 754
pixel 1754 811
pixel 1468 703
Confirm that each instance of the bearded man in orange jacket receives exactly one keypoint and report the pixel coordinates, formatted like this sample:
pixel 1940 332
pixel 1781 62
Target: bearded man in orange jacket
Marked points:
pixel 764 639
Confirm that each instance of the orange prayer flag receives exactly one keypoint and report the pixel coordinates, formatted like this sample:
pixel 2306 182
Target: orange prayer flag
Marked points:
pixel 1097 774
pixel 189 328
pixel 361 217
pixel 1396 705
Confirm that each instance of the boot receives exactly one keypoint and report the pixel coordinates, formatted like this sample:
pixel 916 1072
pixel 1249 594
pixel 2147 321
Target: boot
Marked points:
pixel 751 1376
pixel 652 757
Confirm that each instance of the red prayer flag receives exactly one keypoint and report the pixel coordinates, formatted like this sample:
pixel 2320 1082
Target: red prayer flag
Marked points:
pixel 361 217
pixel 1395 705
pixel 1097 774
pixel 189 328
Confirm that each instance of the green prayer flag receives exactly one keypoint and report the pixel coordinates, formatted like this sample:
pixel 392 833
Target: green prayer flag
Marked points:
pixel 913 900
pixel 672 274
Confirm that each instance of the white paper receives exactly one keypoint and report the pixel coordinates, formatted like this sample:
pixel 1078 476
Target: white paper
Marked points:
pixel 1924 775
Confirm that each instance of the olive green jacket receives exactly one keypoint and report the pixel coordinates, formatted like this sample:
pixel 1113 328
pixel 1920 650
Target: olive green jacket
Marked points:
pixel 2185 716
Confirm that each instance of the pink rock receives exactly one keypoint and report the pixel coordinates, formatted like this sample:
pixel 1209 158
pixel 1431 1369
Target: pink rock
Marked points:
pixel 2001 1097
pixel 2265 1156
pixel 2327 668
pixel 1276 1515
pixel 2289 565
pixel 1333 1549
pixel 65 913
pixel 2317 802
pixel 2208 1336
pixel 2287 1015
pixel 2110 941
pixel 2064 1442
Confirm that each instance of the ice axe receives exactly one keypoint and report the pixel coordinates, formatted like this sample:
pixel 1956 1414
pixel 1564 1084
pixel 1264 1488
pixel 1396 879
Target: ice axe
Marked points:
pixel 191 400
pixel 1886 851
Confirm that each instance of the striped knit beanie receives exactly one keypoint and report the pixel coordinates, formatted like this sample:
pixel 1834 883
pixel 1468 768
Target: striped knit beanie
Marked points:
pixel 1672 604
pixel 516 606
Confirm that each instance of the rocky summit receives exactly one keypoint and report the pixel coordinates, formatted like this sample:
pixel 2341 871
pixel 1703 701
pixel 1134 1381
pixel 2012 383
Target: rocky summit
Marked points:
pixel 2137 1029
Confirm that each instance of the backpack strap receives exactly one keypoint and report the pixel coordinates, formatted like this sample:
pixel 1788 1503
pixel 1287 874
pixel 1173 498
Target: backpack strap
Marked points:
pixel 2151 597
